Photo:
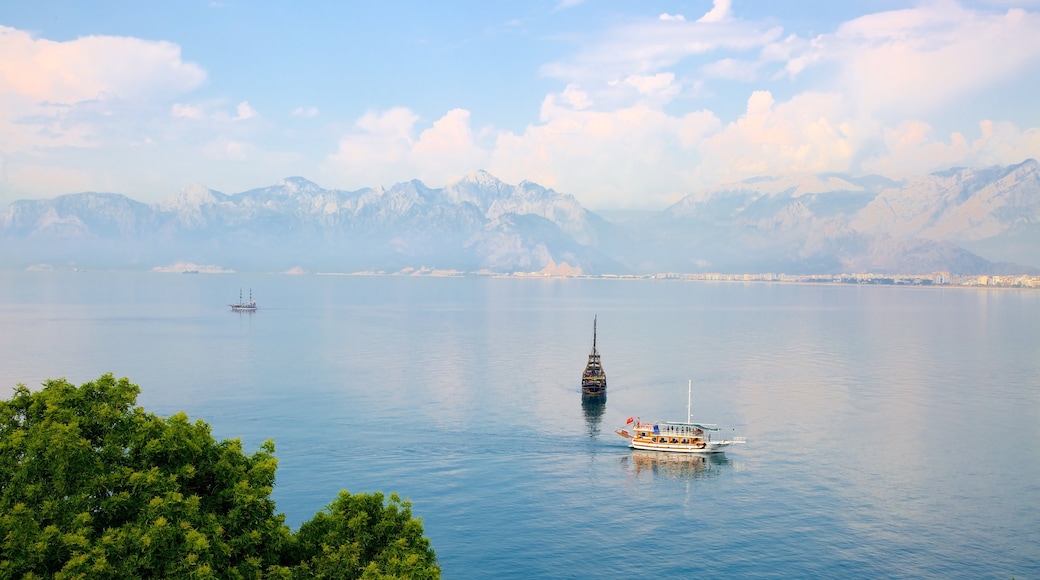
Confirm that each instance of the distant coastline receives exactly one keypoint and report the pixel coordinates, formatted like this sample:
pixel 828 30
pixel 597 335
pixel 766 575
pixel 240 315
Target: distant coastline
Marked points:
pixel 934 279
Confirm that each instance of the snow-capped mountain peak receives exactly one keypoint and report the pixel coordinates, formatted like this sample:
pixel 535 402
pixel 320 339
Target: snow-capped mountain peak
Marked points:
pixel 190 198
pixel 479 188
pixel 297 185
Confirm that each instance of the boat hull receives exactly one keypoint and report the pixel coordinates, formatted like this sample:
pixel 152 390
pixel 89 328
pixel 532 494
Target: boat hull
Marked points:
pixel 709 447
pixel 641 438
pixel 594 388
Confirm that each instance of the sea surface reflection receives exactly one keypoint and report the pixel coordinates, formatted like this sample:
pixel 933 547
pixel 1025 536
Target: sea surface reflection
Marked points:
pixel 463 395
pixel 674 465
pixel 593 407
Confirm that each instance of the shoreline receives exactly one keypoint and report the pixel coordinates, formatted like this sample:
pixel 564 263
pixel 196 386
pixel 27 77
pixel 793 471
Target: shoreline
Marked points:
pixel 931 280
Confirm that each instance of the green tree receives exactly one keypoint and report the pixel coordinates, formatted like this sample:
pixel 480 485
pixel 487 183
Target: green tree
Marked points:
pixel 357 537
pixel 92 486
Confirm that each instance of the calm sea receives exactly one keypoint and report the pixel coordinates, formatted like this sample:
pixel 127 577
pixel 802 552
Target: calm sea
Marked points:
pixel 893 432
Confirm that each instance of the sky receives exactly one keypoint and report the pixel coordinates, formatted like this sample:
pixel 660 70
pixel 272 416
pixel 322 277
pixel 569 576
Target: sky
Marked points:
pixel 622 104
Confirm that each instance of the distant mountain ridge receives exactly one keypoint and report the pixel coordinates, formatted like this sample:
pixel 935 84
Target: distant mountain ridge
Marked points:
pixel 968 221
pixel 830 223
pixel 476 223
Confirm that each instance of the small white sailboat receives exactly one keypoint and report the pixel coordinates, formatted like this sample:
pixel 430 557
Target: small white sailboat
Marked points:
pixel 674 436
pixel 242 305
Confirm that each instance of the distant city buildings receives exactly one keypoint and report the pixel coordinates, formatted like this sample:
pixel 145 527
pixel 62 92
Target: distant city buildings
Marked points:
pixel 933 279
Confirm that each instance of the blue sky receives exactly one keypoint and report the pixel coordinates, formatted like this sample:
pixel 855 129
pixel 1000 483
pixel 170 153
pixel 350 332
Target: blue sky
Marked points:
pixel 623 104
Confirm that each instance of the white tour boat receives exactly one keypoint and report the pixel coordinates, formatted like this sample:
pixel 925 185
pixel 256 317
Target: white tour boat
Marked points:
pixel 676 437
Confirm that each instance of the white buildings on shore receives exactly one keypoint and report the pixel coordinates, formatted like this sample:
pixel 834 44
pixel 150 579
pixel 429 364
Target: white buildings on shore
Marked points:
pixel 932 279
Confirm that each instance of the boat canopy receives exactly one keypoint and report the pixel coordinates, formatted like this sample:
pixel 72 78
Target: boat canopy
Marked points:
pixel 704 426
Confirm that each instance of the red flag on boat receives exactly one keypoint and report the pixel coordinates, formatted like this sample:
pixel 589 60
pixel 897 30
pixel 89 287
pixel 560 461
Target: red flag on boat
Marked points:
pixel 629 421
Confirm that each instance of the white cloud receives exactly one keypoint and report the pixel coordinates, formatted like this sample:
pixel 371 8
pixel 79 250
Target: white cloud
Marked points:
pixel 731 69
pixel 913 145
pixel 386 148
pixel 635 156
pixel 244 111
pixel 720 12
pixel 304 112
pixel 660 83
pixel 448 149
pixel 654 90
pixel 213 113
pixel 860 99
pixel 649 46
pixel 185 111
pixel 563 4
pixel 393 128
pixel 575 97
pixel 821 133
pixel 109 113
pixel 92 67
pixel 602 157
pixel 641 156
pixel 630 124
pixel 78 93
pixel 908 62
pixel 811 133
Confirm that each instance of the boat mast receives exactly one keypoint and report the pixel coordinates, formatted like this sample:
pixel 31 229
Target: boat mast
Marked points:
pixel 594 335
pixel 689 399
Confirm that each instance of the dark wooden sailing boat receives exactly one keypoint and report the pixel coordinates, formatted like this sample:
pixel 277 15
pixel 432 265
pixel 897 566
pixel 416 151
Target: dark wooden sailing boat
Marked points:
pixel 593 380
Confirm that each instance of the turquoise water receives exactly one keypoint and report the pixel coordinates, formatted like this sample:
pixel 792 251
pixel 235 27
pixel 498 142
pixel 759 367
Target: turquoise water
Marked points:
pixel 892 431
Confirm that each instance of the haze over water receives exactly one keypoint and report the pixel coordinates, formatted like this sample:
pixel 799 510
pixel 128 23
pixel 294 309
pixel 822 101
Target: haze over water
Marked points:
pixel 892 430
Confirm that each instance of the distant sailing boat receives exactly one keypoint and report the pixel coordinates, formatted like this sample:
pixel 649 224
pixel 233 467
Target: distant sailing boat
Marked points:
pixel 593 380
pixel 244 306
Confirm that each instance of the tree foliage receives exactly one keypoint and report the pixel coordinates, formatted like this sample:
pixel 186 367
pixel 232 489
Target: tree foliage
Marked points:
pixel 92 486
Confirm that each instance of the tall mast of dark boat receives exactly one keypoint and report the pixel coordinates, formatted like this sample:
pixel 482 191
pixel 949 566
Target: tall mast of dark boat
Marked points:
pixel 594 334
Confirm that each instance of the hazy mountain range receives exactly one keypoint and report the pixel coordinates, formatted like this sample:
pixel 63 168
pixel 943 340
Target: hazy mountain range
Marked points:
pixel 965 221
